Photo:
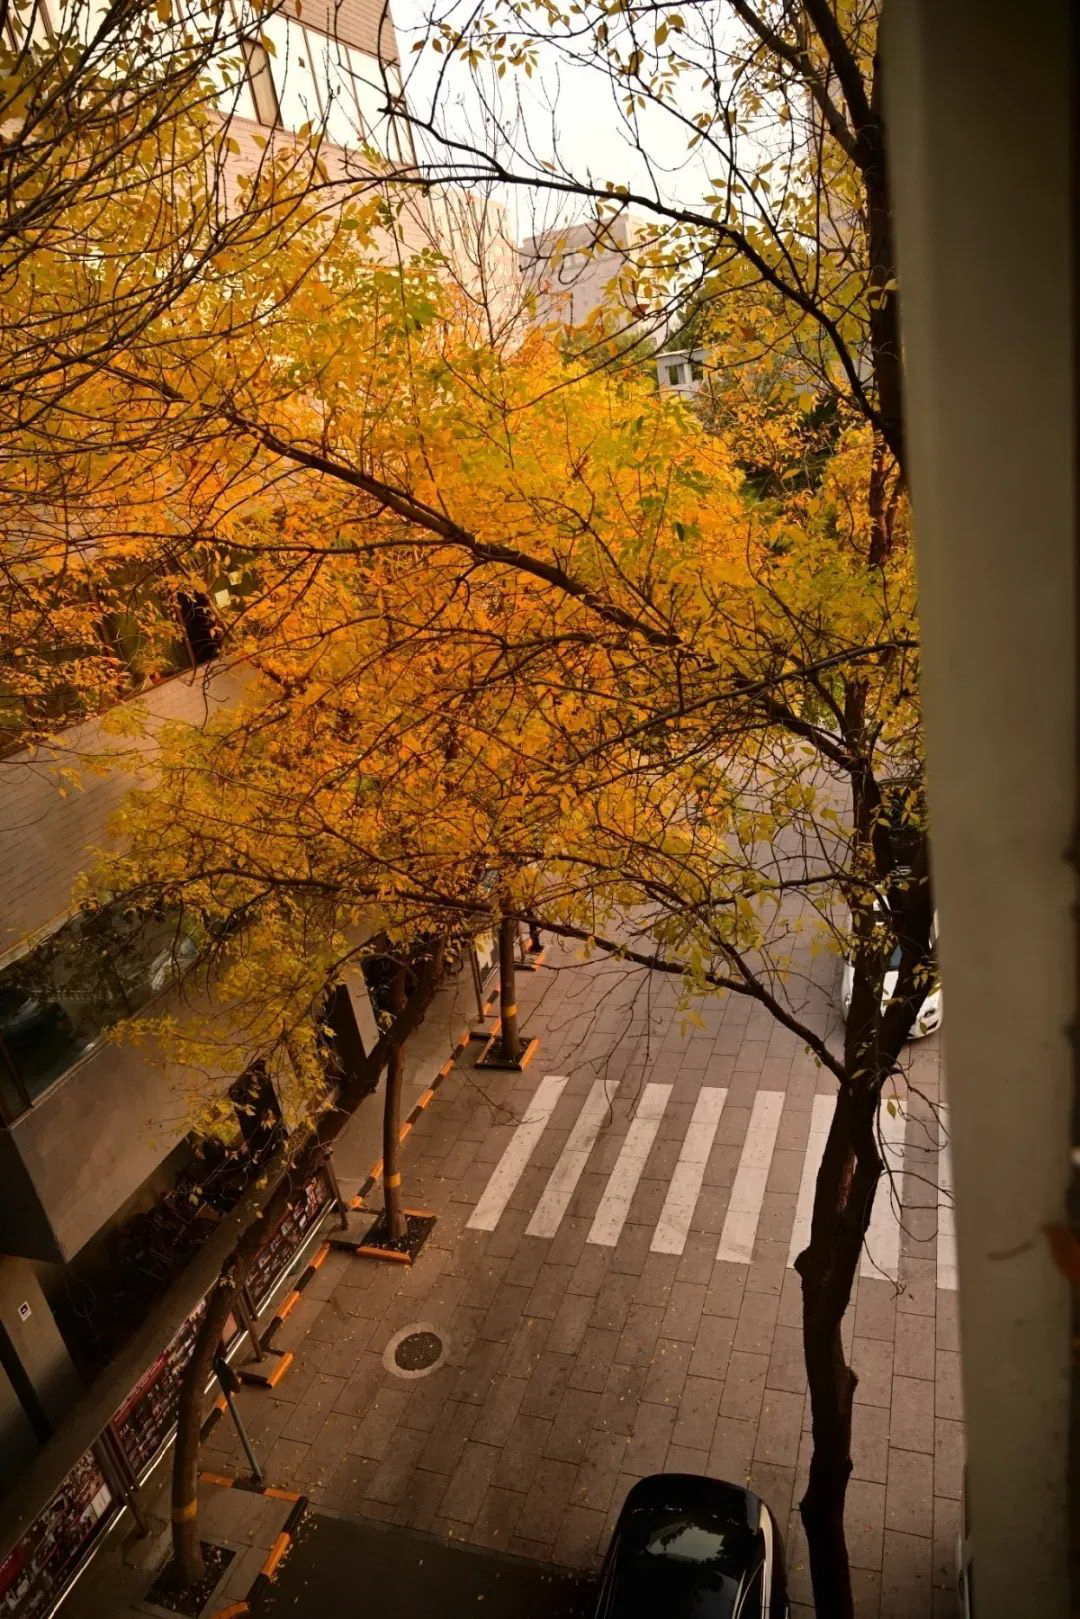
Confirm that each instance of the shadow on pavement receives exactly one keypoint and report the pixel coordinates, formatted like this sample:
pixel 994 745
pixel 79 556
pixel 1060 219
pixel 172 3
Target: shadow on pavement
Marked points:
pixel 343 1567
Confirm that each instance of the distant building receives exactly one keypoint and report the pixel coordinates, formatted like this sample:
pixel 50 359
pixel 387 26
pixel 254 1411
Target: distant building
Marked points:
pixel 572 271
pixel 681 370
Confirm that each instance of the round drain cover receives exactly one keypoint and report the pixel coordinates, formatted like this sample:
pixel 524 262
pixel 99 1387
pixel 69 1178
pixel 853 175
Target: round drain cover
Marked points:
pixel 418 1351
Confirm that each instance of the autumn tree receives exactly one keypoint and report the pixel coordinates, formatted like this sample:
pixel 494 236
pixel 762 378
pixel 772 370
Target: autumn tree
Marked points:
pixel 475 560
pixel 756 145
pixel 129 194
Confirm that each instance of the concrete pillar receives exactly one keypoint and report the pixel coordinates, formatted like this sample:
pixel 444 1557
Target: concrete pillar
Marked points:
pixel 980 138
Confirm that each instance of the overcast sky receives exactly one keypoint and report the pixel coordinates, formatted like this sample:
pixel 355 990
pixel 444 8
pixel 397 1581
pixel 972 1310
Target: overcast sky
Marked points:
pixel 568 104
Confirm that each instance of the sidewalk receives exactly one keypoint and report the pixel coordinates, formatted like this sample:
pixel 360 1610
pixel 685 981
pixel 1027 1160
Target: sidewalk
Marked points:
pixel 115 1583
pixel 590 1329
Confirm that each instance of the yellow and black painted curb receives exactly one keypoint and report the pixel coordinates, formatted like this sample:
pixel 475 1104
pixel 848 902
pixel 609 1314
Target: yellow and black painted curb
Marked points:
pixel 253 1375
pixel 282 1542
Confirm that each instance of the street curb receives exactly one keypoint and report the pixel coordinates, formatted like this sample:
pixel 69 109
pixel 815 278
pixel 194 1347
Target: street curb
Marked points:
pixel 282 1542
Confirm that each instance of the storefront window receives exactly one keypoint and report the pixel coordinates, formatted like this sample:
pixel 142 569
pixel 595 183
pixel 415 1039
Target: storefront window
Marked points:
pixel 58 1000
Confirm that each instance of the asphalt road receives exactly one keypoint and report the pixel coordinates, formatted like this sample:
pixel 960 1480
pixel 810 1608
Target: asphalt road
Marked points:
pixel 346 1568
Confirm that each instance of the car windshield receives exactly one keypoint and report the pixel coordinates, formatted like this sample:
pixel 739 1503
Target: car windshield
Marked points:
pixel 686 1565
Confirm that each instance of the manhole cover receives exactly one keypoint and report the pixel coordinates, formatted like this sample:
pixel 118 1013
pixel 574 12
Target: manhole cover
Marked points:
pixel 416 1350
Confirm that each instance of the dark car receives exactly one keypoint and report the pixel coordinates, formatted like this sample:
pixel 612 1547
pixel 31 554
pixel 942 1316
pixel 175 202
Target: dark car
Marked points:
pixel 687 1547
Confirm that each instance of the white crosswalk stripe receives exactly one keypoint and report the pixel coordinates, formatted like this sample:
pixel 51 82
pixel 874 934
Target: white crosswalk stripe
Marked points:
pixel 820 1119
pixel 676 1217
pixel 882 1249
pixel 511 1166
pixel 571 1165
pixel 748 1192
pixel 622 1182
pixel 946 1213
pixel 881 1246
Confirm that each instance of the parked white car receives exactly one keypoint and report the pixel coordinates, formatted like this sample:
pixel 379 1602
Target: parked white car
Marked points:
pixel 929 1018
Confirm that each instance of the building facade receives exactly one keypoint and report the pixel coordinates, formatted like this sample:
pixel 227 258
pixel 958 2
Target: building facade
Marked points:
pixel 96 1151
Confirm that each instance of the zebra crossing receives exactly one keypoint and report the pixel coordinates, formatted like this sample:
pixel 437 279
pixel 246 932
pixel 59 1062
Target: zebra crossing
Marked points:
pixel 881 1251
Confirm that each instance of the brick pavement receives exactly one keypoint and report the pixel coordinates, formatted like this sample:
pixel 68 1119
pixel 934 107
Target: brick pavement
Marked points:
pixel 573 1368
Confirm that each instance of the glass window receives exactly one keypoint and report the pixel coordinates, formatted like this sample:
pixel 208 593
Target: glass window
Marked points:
pixel 292 71
pixel 375 86
pixel 58 1000
pixel 229 75
pixel 674 375
pixel 330 66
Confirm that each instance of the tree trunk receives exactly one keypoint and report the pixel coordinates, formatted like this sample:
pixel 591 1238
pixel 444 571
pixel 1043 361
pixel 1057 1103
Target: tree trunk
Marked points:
pixel 186 1543
pixel 843 1198
pixel 396 1224
pixel 185 1533
pixel 509 1038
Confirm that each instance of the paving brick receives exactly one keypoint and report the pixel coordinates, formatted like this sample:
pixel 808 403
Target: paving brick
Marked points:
pixel 949 1456
pixel 428 1398
pixel 449 1434
pixel 649 1439
pixel 379 1425
pixel 589 1272
pixel 594 1359
pixel 905 1575
pixel 526 1346
pixel 698 1409
pixel 637 1342
pixel 787 1369
pixel 578 1541
pixel 504 1313
pixel 498 1517
pixel 551 1488
pixel 573 1425
pixel 948 1321
pixel 918 1286
pixel 870 1442
pixel 769 1267
pixel 864 1523
pixel 875 1308
pixel 632 1250
pixel 391 1479
pixel 549 1289
pixel 732 1449
pixel 600 1469
pixel 496 1416
pixel 871 1360
pixel 657 1277
pixel 785 1170
pixel 757 1319
pixel 712 1347
pixel 469 1482
pixel 947 1523
pixel 355 1395
pixel 611 1307
pixel 666 1375
pixel 913 1346
pixel 547 1385
pixel 698 1258
pixel 948 1396
pixel 775 1485
pixel 912 1421
pixel 522 1450
pixel 780 1426
pixel 727 1285
pixel 683 1314
pixel 686 1459
pixel 866 1592
pixel 744 1386
pixel 620 1399
pixel 909 1501
pixel 483 1361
